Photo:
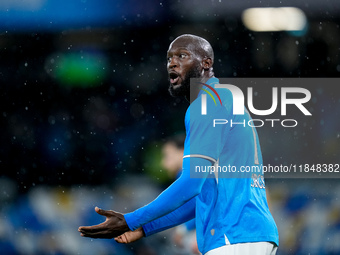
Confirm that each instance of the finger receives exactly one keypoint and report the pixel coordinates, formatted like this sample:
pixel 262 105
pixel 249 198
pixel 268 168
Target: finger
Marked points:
pixel 124 238
pixel 93 229
pixel 102 235
pixel 119 239
pixel 103 212
pixel 108 213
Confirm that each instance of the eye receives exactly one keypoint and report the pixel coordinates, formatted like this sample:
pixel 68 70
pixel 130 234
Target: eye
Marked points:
pixel 182 55
pixel 169 59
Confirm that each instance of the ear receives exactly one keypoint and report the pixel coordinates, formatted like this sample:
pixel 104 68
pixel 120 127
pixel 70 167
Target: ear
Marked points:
pixel 207 63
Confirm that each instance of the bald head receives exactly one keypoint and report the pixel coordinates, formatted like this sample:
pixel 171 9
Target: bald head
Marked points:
pixel 189 56
pixel 200 46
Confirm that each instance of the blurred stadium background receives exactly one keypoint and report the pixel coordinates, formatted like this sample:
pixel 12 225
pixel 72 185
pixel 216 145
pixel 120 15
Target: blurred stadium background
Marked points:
pixel 85 108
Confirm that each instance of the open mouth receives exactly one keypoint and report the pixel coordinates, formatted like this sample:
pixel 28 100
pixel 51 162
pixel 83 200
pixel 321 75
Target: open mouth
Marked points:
pixel 174 77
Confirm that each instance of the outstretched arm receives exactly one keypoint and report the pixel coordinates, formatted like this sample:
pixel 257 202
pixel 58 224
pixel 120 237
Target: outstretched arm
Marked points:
pixel 177 194
pixel 180 215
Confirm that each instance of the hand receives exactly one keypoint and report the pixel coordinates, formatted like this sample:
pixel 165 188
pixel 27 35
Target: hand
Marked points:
pixel 113 226
pixel 130 236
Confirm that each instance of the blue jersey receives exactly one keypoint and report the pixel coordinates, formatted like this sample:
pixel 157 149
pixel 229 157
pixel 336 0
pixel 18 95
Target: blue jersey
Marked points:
pixel 232 206
pixel 227 201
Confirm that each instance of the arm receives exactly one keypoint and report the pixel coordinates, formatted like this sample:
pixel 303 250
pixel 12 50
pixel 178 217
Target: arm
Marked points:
pixel 199 145
pixel 200 149
pixel 182 214
pixel 177 194
pixel 179 216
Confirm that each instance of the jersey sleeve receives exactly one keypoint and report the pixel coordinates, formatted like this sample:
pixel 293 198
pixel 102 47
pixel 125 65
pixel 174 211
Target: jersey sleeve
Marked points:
pixel 177 194
pixel 182 214
pixel 207 134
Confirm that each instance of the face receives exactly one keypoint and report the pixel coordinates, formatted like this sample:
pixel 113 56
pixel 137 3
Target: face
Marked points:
pixel 182 65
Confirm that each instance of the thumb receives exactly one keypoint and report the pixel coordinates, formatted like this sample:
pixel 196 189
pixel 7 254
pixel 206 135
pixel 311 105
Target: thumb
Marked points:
pixel 101 211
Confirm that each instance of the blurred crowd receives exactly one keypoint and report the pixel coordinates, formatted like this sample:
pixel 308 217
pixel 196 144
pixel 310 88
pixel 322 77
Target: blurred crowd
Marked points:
pixel 45 220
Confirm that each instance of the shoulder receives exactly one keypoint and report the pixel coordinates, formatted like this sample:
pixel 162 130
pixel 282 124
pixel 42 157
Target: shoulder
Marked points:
pixel 218 93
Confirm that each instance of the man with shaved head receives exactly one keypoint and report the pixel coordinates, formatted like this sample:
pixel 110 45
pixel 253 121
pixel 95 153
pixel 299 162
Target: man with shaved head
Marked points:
pixel 230 209
pixel 195 60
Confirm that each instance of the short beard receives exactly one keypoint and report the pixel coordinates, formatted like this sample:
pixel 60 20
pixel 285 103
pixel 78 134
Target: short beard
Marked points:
pixel 184 89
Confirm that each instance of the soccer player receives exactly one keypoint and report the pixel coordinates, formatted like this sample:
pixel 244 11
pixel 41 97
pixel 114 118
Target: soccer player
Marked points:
pixel 231 210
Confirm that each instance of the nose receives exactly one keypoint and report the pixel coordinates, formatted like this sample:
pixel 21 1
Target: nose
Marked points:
pixel 172 63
